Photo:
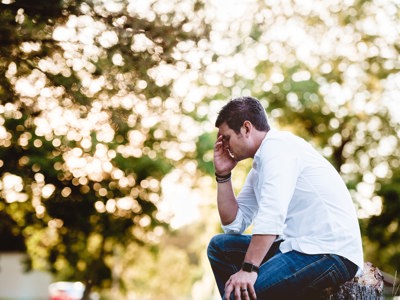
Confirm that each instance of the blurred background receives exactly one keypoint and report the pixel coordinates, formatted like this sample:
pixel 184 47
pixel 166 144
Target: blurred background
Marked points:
pixel 107 111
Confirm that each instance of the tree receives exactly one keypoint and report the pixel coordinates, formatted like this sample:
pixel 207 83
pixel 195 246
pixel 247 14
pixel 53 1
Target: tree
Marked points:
pixel 88 127
pixel 382 230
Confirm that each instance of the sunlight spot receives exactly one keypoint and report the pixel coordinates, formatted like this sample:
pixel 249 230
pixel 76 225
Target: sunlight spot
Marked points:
pixel 125 203
pixel 11 188
pixel 56 223
pixel 40 209
pixel 387 145
pixel 113 6
pixel 12 182
pixel 65 192
pixel 62 33
pixel 301 76
pixel 145 221
pixel 381 170
pixel 111 206
pixel 141 43
pixel 108 39
pixel 175 207
pixel 100 207
pixel 118 60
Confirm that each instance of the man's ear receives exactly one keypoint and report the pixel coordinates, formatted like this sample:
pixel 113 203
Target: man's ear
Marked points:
pixel 247 127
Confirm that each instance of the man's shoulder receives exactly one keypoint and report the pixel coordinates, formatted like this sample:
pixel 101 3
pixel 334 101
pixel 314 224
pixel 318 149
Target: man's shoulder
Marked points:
pixel 280 134
pixel 277 140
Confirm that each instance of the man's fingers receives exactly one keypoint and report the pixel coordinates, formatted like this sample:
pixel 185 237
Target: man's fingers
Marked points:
pixel 239 289
pixel 251 292
pixel 244 293
pixel 228 291
pixel 227 283
pixel 238 293
pixel 218 145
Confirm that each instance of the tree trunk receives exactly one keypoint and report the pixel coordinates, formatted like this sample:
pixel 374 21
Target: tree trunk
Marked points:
pixel 88 289
pixel 369 286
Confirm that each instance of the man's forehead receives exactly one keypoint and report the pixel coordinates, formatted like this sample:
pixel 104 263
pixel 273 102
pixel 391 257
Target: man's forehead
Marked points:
pixel 223 130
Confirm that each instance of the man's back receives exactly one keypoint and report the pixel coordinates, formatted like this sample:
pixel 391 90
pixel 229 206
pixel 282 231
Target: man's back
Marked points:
pixel 320 215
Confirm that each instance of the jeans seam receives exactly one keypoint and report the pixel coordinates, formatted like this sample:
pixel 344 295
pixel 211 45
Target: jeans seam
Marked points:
pixel 294 274
pixel 332 272
pixel 343 267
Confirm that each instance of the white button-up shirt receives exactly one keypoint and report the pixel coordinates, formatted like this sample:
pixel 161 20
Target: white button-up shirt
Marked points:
pixel 294 192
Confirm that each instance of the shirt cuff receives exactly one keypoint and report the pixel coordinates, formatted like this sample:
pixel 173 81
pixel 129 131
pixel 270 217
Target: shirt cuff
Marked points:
pixel 238 225
pixel 268 227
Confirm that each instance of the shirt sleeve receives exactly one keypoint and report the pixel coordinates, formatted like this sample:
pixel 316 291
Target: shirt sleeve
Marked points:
pixel 248 207
pixel 279 170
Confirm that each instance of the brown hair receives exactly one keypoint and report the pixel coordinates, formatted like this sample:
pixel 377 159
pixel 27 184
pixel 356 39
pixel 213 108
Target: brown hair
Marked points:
pixel 241 109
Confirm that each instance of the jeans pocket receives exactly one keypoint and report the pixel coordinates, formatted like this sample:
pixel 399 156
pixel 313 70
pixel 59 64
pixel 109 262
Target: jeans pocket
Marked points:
pixel 331 277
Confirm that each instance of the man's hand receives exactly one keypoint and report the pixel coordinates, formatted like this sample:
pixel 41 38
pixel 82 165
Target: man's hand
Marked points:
pixel 223 161
pixel 242 285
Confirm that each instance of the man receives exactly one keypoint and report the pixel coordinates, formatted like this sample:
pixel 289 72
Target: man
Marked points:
pixel 305 234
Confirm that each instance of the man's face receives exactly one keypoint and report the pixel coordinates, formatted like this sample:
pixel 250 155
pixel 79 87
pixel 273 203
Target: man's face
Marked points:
pixel 235 143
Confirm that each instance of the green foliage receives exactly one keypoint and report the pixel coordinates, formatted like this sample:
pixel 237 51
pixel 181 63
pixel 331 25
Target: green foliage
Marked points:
pixel 11 238
pixel 383 229
pixel 204 147
pixel 84 129
pixel 90 121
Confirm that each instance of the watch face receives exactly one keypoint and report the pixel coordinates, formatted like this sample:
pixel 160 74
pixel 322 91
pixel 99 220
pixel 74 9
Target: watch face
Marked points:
pixel 248 267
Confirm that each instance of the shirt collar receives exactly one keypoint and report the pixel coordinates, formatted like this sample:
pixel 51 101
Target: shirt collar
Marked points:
pixel 257 156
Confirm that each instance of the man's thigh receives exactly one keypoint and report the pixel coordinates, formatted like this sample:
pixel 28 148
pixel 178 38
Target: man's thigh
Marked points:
pixel 293 274
pixel 233 248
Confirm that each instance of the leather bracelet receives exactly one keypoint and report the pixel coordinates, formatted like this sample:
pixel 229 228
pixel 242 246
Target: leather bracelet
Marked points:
pixel 219 180
pixel 223 176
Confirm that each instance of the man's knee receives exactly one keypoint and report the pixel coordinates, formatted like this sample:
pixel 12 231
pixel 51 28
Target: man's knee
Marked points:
pixel 214 245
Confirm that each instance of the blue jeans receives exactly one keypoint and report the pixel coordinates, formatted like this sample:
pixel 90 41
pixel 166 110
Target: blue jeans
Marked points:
pixel 291 275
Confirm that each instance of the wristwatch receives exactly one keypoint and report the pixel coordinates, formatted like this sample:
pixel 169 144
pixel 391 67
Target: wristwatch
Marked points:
pixel 249 267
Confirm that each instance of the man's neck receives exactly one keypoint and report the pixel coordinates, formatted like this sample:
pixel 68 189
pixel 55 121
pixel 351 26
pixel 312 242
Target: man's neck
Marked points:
pixel 259 136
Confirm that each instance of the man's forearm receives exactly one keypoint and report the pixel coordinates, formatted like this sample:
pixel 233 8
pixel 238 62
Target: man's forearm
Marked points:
pixel 227 204
pixel 258 248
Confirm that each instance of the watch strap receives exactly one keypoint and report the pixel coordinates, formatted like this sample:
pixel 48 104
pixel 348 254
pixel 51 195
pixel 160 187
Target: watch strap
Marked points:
pixel 249 267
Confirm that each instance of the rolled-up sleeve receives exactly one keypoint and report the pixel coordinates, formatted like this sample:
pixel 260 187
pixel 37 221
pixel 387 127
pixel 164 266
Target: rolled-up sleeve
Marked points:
pixel 276 187
pixel 238 226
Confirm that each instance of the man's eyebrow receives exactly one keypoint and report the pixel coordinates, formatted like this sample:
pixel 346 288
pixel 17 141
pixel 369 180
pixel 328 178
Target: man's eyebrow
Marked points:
pixel 225 137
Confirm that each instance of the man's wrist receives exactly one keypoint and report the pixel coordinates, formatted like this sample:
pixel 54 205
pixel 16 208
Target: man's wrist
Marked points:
pixel 223 178
pixel 249 267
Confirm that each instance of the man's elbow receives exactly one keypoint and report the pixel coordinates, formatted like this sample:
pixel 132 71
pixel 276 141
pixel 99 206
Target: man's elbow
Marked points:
pixel 225 221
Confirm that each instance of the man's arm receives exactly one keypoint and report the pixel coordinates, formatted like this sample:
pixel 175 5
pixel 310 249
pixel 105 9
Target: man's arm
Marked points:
pixel 258 248
pixel 226 201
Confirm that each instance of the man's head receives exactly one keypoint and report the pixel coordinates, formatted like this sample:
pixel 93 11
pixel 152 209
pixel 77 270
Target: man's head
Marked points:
pixel 242 125
pixel 238 110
